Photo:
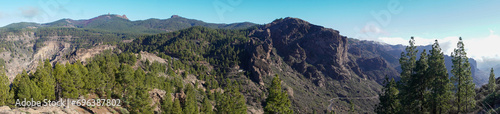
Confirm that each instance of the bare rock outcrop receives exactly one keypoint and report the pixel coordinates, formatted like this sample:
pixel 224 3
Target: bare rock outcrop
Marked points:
pixel 84 54
pixel 152 57
pixel 157 97
pixel 312 50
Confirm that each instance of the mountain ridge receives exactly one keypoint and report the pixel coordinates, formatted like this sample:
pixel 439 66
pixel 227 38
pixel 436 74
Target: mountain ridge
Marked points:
pixel 120 23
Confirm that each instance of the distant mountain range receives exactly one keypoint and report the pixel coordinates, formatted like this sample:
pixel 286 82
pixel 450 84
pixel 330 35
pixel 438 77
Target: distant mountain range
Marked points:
pixel 120 23
pixel 391 54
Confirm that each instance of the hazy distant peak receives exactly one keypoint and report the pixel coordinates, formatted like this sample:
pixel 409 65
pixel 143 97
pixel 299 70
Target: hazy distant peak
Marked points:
pixel 175 16
pixel 122 16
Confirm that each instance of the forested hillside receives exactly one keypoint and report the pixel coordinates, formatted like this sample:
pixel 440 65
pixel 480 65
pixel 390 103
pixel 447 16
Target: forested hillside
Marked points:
pixel 23 44
pixel 122 76
pixel 181 65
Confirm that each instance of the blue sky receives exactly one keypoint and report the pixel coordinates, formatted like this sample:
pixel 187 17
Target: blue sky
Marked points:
pixel 389 21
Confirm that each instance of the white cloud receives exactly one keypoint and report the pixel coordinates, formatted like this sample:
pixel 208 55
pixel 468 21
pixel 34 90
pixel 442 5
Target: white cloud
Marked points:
pixel 372 28
pixel 30 12
pixel 404 41
pixel 482 49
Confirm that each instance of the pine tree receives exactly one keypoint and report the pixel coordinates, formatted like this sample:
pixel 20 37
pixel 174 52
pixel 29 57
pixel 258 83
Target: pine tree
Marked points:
pixel 492 86
pixel 106 80
pixel 82 71
pixel 277 102
pixel 190 104
pixel 389 103
pixel 48 66
pixel 231 101
pixel 77 76
pixel 419 83
pixel 16 85
pixel 20 86
pixel 23 87
pixel 492 82
pixel 59 73
pixel 206 106
pixel 221 103
pixel 176 107
pixel 407 61
pixel 94 79
pixel 140 103
pixel 5 95
pixel 167 103
pixel 139 77
pixel 441 93
pixel 126 76
pixel 237 100
pixel 45 81
pixel 462 79
pixel 35 91
pixel 67 81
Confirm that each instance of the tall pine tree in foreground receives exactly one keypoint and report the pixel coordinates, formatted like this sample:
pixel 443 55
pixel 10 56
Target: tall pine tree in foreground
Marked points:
pixel 277 102
pixel 59 73
pixel 441 93
pixel 231 101
pixel 492 82
pixel 93 80
pixel 462 79
pixel 407 61
pixel 23 87
pixel 492 86
pixel 44 80
pixel 389 102
pixel 419 83
pixel 76 74
pixel 5 96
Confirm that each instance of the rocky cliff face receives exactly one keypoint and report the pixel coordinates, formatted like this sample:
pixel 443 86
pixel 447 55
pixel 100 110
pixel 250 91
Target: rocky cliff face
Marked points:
pixel 315 64
pixel 314 51
pixel 20 54
pixel 375 60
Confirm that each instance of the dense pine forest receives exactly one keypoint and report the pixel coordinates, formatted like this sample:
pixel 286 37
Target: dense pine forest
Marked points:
pixel 120 74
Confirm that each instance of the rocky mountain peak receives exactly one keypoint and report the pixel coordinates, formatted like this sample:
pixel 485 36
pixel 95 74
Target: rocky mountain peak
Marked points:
pixel 174 16
pixel 290 20
pixel 108 16
pixel 122 16
pixel 312 50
